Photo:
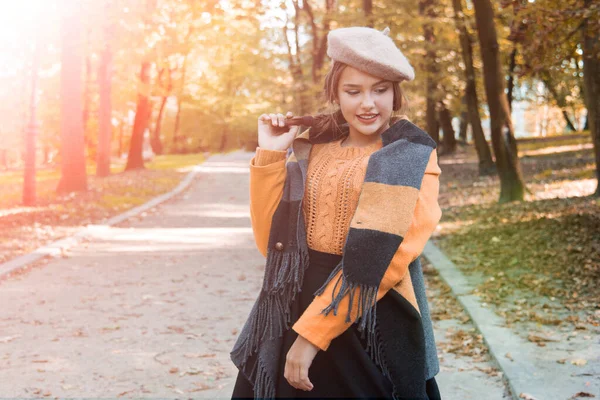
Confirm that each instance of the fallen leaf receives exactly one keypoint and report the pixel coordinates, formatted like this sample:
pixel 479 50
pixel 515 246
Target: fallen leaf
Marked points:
pixel 527 396
pixel 581 394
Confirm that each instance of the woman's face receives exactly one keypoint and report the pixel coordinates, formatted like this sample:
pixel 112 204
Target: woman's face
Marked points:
pixel 366 101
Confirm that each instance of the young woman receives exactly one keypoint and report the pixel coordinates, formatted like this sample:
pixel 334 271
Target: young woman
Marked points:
pixel 342 212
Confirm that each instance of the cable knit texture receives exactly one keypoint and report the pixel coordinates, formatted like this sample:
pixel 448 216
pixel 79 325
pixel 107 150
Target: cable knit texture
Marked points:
pixel 334 179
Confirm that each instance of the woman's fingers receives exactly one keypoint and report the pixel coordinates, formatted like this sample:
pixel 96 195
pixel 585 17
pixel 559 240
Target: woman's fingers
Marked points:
pixel 297 376
pixel 264 117
pixel 277 119
pixel 286 372
pixel 280 120
pixel 273 119
pixel 303 374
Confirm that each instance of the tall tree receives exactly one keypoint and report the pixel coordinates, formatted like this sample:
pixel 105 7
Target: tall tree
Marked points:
pixel 135 159
pixel 591 70
pixel 105 88
pixel 558 97
pixel 449 139
pixel 368 10
pixel 512 186
pixel 426 9
pixel 164 88
pixel 73 174
pixel 486 164
pixel 29 189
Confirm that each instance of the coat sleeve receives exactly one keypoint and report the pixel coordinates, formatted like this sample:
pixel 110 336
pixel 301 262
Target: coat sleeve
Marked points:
pixel 267 178
pixel 320 329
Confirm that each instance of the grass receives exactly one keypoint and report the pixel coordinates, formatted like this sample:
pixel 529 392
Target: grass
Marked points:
pixel 22 229
pixel 553 142
pixel 537 261
pixel 174 162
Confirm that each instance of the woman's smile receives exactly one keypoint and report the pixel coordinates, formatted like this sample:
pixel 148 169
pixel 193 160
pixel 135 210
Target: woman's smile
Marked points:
pixel 367 118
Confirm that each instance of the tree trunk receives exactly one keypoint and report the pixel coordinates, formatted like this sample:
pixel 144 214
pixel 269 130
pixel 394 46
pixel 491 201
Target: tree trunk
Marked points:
pixel 105 108
pixel 319 39
pixel 511 75
pixel 303 102
pixel 155 141
pixel 463 127
pixel 135 159
pixel 3 159
pixel 121 129
pixel 586 125
pixel 29 189
pixel 560 100
pixel 176 138
pixel 73 174
pixel 486 164
pixel 505 147
pixel 449 140
pixel 368 10
pixel 464 121
pixel 426 11
pixel 87 93
pixel 591 74
pixel 570 127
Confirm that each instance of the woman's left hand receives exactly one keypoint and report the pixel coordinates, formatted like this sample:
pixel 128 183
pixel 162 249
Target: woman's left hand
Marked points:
pixel 298 361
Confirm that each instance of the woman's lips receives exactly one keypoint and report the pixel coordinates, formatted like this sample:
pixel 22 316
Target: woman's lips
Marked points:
pixel 367 120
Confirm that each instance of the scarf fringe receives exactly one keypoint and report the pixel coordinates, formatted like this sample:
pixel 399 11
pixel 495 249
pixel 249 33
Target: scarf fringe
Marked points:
pixel 264 387
pixel 284 273
pixel 366 319
pixel 283 270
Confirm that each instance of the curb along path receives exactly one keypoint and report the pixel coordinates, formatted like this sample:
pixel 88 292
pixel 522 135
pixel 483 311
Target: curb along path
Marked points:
pixel 531 371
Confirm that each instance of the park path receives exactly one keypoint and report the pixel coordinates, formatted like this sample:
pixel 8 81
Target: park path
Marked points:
pixel 152 307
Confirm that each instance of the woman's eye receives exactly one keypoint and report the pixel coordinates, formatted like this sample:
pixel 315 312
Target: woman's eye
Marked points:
pixel 352 93
pixel 382 90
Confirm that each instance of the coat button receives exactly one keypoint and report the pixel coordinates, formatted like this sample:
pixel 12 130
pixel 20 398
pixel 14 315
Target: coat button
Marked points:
pixel 279 246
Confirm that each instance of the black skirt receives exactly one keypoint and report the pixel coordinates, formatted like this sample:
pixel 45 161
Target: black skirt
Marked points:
pixel 345 370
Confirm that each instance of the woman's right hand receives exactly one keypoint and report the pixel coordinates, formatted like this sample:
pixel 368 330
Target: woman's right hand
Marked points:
pixel 272 132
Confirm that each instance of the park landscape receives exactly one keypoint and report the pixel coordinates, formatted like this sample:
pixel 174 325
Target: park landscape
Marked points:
pixel 107 104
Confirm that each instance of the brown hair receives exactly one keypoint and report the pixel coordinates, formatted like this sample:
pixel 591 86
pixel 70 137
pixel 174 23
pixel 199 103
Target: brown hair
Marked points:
pixel 327 125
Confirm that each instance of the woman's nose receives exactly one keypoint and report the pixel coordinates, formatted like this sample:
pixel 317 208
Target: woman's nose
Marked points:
pixel 367 102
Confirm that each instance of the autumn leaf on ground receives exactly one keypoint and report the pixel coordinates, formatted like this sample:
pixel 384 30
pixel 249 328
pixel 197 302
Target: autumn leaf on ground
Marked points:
pixel 581 394
pixel 527 396
pixel 579 361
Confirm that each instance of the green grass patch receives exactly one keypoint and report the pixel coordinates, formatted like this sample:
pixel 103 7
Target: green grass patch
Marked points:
pixel 525 146
pixel 121 202
pixel 175 161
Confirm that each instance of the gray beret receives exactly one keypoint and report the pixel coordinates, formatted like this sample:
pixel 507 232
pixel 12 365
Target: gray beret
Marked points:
pixel 370 51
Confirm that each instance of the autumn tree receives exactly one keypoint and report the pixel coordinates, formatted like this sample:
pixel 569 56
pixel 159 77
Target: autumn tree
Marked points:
pixel 590 37
pixel 486 164
pixel 73 173
pixel 427 11
pixel 503 141
pixel 135 159
pixel 105 88
pixel 557 39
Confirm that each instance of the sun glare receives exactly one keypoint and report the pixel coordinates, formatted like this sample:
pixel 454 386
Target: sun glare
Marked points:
pixel 21 22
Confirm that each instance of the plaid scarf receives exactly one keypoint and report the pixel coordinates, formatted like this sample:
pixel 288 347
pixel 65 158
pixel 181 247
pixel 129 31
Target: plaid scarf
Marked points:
pixel 393 172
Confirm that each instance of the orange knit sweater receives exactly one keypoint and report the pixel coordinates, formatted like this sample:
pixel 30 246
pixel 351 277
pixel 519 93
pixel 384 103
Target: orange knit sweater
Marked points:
pixel 334 178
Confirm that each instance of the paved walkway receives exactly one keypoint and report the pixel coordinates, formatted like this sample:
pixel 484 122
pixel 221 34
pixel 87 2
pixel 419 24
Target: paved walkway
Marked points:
pixel 151 308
